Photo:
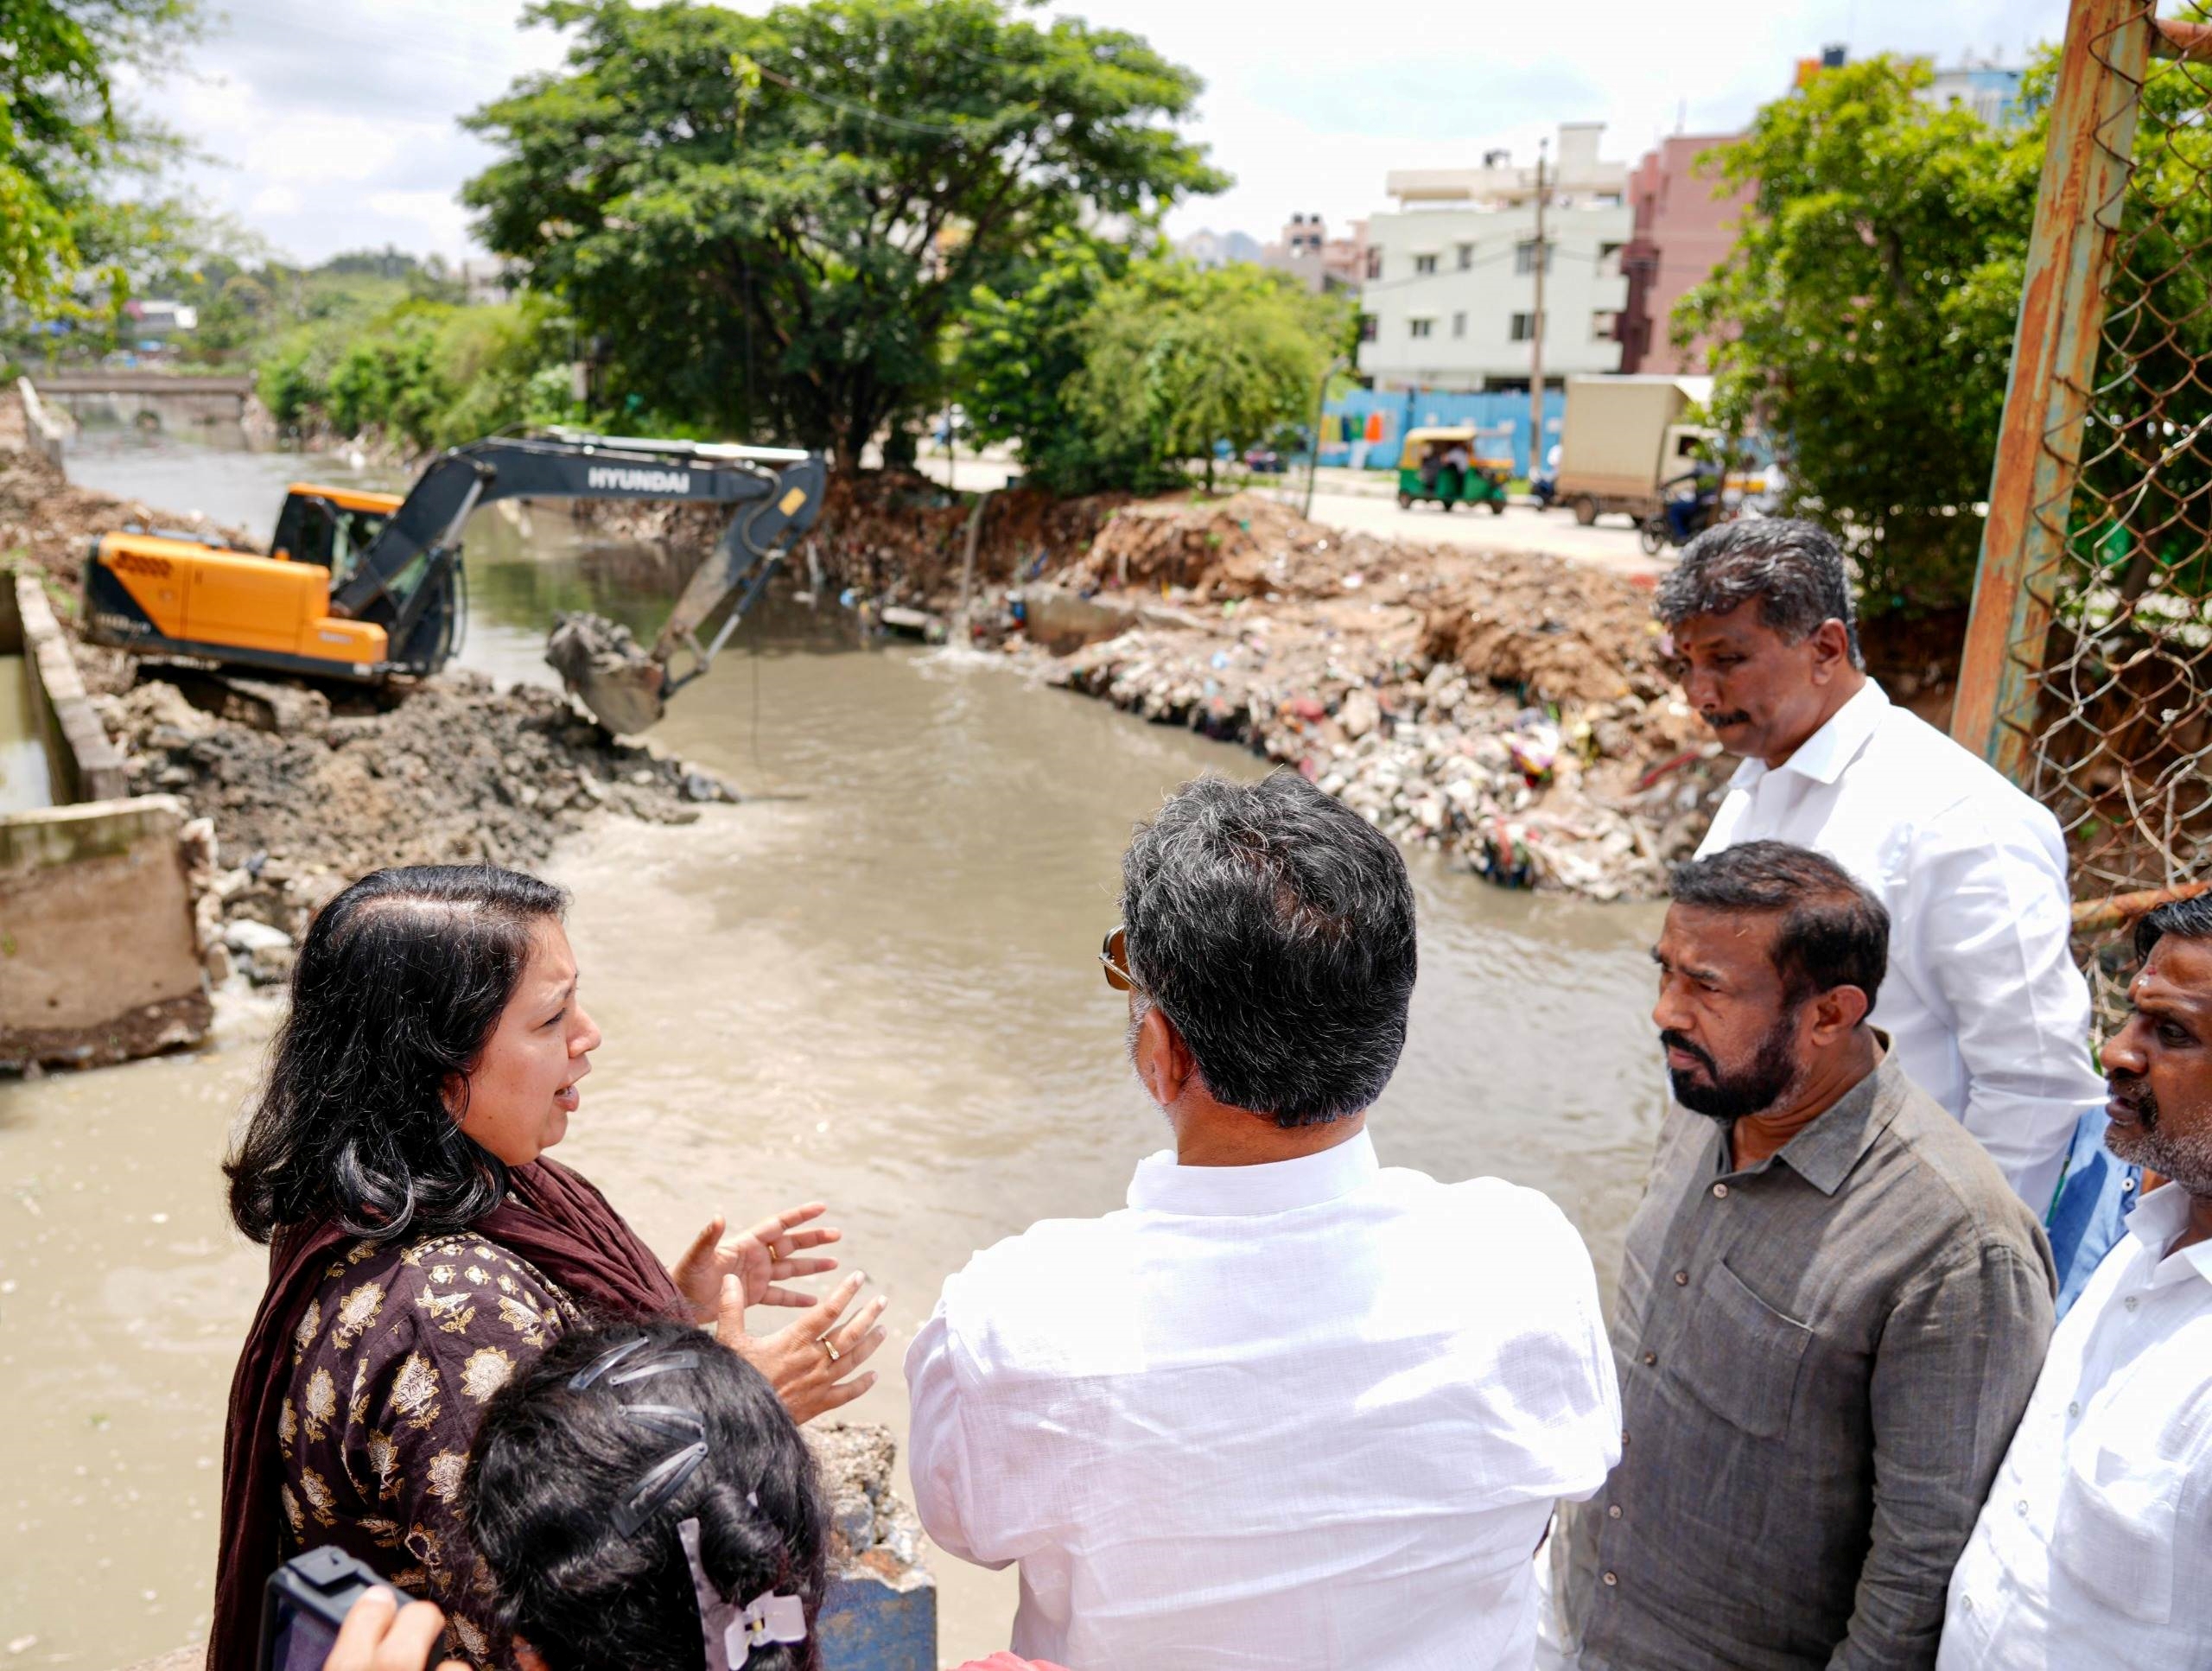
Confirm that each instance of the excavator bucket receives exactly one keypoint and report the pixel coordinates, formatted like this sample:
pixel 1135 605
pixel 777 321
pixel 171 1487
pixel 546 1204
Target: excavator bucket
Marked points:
pixel 604 669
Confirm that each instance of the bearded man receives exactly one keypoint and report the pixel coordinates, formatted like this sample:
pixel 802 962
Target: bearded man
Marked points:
pixel 1832 1308
pixel 2098 1528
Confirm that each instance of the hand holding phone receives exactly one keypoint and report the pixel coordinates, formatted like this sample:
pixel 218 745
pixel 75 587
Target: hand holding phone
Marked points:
pixel 326 1612
pixel 380 1634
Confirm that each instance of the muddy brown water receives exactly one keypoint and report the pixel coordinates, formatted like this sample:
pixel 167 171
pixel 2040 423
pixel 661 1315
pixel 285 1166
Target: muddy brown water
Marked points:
pixel 875 982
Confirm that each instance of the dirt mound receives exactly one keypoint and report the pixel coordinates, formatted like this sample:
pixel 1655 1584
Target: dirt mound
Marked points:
pixel 458 773
pixel 1559 632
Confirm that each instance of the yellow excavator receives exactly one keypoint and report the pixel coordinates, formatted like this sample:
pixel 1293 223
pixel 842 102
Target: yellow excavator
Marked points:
pixel 358 586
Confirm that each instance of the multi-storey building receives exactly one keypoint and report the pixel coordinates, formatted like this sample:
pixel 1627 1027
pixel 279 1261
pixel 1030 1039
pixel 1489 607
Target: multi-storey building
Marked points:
pixel 1322 263
pixel 1683 231
pixel 1450 290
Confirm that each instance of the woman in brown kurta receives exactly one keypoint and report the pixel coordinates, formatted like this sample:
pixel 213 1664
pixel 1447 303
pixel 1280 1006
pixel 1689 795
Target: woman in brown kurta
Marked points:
pixel 422 1248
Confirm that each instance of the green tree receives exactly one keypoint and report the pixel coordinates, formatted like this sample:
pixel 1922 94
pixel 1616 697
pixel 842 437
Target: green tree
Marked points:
pixel 62 135
pixel 1176 359
pixel 771 221
pixel 1021 349
pixel 1862 322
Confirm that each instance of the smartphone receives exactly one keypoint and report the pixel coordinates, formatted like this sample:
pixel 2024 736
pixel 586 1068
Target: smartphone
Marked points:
pixel 307 1600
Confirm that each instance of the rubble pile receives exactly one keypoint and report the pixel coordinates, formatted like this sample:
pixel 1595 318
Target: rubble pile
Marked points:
pixel 304 800
pixel 1511 710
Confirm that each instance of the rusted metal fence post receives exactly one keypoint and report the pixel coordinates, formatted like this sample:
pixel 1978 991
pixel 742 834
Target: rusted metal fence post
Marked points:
pixel 2054 359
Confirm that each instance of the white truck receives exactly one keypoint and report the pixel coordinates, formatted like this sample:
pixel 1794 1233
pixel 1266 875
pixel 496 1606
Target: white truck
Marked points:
pixel 1623 438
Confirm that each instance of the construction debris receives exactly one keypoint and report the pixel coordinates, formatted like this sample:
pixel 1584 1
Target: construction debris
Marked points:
pixel 607 669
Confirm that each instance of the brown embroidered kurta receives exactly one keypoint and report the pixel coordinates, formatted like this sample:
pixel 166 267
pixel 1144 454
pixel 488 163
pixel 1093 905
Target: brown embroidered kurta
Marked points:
pixel 392 1360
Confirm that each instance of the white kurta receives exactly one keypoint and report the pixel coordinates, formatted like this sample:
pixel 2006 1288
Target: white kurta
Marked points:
pixel 1312 1413
pixel 2092 1549
pixel 1988 1013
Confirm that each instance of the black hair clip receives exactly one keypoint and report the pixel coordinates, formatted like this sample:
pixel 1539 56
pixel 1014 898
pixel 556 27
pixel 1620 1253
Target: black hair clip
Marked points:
pixel 658 1367
pixel 654 1491
pixel 670 1419
pixel 605 1361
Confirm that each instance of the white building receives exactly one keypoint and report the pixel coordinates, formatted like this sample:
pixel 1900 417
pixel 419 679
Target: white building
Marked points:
pixel 1450 290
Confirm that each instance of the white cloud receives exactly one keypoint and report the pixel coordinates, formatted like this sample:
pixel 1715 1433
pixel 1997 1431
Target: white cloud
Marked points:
pixel 333 128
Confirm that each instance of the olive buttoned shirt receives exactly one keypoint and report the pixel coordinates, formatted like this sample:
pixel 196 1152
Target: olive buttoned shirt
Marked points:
pixel 1822 1358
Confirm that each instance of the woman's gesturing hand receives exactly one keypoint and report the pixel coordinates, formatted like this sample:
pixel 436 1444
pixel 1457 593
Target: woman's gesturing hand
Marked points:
pixel 379 1635
pixel 764 1256
pixel 811 1364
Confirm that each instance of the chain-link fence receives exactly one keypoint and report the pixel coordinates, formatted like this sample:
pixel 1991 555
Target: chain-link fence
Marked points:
pixel 2087 676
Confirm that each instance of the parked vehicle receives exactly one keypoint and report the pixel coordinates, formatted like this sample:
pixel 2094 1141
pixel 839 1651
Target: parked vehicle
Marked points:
pixel 1623 438
pixel 1263 461
pixel 1438 465
pixel 1544 486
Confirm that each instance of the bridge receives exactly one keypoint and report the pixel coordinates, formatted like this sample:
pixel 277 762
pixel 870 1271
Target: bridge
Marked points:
pixel 152 400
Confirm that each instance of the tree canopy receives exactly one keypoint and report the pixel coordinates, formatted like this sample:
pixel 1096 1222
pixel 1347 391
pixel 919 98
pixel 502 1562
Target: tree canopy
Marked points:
pixel 1864 320
pixel 61 130
pixel 770 221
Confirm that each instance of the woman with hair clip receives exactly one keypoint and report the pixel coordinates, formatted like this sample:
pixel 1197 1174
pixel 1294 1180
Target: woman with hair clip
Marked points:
pixel 423 1250
pixel 641 1502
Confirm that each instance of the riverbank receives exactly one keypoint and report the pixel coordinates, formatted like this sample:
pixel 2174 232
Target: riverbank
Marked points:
pixel 1511 711
pixel 304 790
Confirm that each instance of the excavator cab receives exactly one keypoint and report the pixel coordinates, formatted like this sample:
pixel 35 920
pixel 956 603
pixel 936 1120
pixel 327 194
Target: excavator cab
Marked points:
pixel 331 526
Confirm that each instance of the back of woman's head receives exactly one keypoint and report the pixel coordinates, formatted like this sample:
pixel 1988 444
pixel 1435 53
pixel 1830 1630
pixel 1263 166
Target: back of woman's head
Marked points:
pixel 584 1469
pixel 401 982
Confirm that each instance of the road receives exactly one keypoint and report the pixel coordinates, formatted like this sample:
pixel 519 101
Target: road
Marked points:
pixel 1366 506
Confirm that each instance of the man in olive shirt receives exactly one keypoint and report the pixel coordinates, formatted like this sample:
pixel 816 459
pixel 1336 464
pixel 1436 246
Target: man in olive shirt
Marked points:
pixel 1832 1308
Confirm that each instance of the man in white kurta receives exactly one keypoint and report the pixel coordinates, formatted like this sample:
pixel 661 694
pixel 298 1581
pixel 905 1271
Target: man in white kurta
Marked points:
pixel 1288 1407
pixel 2094 1545
pixel 1986 1012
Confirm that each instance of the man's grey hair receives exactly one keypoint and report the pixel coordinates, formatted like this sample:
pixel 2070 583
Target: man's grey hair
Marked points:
pixel 1795 569
pixel 1274 927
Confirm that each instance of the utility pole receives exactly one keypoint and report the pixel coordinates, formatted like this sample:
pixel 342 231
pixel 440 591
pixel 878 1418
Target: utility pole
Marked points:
pixel 1536 326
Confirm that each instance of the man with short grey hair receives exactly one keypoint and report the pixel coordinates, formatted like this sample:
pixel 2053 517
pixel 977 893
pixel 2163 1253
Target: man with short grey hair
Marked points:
pixel 1987 1011
pixel 1289 1406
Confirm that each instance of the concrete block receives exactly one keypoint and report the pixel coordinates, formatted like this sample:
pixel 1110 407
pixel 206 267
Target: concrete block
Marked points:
pixel 880 1613
pixel 99 953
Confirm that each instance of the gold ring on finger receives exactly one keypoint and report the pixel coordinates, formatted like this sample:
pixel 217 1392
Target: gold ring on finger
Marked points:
pixel 823 1343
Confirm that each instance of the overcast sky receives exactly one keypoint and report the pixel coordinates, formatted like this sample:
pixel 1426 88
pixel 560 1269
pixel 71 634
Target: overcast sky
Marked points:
pixel 336 127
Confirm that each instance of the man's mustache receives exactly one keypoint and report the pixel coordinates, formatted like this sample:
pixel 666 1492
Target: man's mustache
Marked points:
pixel 2129 1088
pixel 1717 720
pixel 1672 1040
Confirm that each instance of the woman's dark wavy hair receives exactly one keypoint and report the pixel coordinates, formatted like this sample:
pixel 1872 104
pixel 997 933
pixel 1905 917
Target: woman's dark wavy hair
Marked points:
pixel 551 1460
pixel 398 986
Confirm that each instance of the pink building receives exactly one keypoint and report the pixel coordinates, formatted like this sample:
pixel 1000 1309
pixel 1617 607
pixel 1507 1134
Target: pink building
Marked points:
pixel 1322 263
pixel 1683 232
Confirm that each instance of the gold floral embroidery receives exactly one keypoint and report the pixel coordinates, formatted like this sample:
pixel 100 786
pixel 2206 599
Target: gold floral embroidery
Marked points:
pixel 356 1312
pixel 357 1406
pixel 414 1391
pixel 506 1283
pixel 303 1337
pixel 321 1401
pixel 478 1274
pixel 361 1250
pixel 383 1457
pixel 423 1543
pixel 442 1274
pixel 288 1427
pixel 292 1511
pixel 530 1324
pixel 483 1252
pixel 473 1641
pixel 485 1372
pixel 443 1476
pixel 385 1532
pixel 451 1312
pixel 316 1489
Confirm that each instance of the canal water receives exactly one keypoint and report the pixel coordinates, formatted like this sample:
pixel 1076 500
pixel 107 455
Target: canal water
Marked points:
pixel 875 982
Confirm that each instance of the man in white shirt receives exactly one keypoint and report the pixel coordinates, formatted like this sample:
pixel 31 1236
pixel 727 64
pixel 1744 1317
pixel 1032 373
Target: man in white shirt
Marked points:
pixel 1987 1011
pixel 2092 1548
pixel 1289 1408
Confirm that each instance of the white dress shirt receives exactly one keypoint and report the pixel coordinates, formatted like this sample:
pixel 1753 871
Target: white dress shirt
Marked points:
pixel 1312 1413
pixel 2094 1546
pixel 1988 1013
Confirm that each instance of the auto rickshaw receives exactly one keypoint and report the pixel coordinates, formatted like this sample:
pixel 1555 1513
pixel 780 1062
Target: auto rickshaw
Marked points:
pixel 1423 474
